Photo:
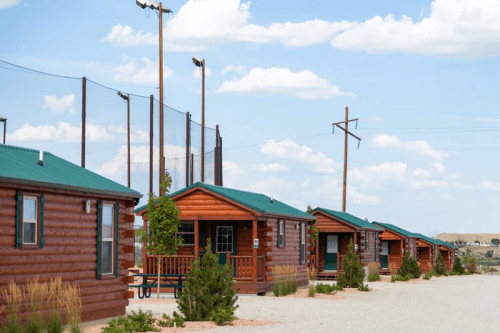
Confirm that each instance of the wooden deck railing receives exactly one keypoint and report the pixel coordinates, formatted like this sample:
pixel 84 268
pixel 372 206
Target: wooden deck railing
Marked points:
pixel 182 264
pixel 395 261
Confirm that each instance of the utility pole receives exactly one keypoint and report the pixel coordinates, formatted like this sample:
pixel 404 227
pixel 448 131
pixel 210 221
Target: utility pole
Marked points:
pixel 143 4
pixel 201 63
pixel 346 130
pixel 4 121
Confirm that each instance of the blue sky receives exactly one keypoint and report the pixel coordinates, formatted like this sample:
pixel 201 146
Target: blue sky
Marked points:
pixel 422 77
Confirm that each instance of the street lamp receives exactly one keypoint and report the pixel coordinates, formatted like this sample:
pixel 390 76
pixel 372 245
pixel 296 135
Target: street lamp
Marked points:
pixel 201 63
pixel 4 120
pixel 127 98
pixel 155 6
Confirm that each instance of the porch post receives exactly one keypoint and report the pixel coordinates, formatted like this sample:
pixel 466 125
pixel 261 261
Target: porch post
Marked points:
pixel 254 251
pixel 317 251
pixel 356 241
pixel 144 255
pixel 196 238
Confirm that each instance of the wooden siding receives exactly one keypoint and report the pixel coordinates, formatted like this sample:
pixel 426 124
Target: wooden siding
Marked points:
pixel 328 224
pixel 69 250
pixel 389 235
pixel 209 206
pixel 287 255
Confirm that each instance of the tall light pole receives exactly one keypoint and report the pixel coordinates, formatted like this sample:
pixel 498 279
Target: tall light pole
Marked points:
pixel 127 98
pixel 4 120
pixel 201 63
pixel 153 5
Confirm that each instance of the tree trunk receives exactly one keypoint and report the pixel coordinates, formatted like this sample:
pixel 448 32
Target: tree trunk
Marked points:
pixel 158 289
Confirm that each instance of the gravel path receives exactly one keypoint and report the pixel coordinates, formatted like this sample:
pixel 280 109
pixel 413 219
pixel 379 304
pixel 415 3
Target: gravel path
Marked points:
pixel 447 304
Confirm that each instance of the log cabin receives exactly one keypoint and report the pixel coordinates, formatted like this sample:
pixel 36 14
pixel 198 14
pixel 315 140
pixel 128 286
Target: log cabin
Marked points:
pixel 395 243
pixel 58 219
pixel 336 229
pixel 250 230
pixel 448 252
pixel 427 250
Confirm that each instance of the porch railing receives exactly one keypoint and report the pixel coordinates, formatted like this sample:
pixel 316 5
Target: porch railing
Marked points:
pixel 395 261
pixel 243 267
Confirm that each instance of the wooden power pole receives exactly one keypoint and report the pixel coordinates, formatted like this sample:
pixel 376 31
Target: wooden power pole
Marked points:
pixel 346 130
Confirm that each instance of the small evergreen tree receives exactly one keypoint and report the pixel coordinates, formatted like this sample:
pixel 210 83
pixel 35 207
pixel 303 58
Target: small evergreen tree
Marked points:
pixel 440 267
pixel 409 266
pixel 163 216
pixel 353 271
pixel 208 289
pixel 457 267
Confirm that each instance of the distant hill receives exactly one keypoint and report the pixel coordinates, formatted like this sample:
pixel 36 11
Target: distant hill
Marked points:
pixel 469 238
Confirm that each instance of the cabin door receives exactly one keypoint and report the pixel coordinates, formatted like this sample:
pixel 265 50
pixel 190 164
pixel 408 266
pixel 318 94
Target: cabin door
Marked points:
pixel 331 250
pixel 385 255
pixel 225 241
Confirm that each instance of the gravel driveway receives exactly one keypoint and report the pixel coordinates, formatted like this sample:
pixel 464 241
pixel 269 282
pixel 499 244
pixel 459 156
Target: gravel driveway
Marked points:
pixel 447 304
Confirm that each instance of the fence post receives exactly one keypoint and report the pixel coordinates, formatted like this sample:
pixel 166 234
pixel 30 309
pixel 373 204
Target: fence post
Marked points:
pixel 84 116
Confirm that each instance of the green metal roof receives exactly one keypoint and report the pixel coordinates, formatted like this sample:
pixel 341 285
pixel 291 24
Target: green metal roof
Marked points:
pixel 20 165
pixel 360 223
pixel 255 201
pixel 448 245
pixel 396 229
pixel 428 239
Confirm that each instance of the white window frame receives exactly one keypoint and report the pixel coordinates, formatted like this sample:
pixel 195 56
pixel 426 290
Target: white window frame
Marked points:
pixel 35 221
pixel 303 241
pixel 112 239
pixel 281 233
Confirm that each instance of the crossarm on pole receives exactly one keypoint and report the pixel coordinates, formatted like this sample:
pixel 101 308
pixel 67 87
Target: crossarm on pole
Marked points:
pixel 342 122
pixel 348 132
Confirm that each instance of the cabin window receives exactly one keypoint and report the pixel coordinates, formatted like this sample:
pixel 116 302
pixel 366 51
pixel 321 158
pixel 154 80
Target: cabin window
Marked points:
pixel 281 233
pixel 30 220
pixel 108 228
pixel 332 244
pixel 186 232
pixel 367 234
pixel 302 243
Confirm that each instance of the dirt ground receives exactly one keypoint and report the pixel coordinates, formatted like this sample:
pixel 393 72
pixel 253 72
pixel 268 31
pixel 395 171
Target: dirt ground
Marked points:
pixel 445 304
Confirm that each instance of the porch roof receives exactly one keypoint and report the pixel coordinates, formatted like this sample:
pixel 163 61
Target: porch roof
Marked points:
pixel 255 201
pixel 346 217
pixel 428 239
pixel 448 245
pixel 396 229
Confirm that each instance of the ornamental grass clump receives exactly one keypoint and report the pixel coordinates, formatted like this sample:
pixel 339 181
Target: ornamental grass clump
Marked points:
pixel 373 272
pixel 285 281
pixel 311 273
pixel 393 268
pixel 410 267
pixel 14 298
pixel 353 271
pixel 208 289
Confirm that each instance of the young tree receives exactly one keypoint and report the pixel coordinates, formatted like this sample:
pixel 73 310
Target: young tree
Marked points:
pixel 353 271
pixel 440 267
pixel 457 267
pixel 163 216
pixel 409 266
pixel 496 241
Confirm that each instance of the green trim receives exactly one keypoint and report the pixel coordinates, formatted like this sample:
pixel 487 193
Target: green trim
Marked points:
pixel 395 229
pixel 117 237
pixel 42 204
pixel 99 239
pixel 19 212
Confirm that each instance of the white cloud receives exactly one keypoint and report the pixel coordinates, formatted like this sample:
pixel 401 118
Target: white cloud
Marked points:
pixel 377 119
pixel 231 168
pixel 196 73
pixel 60 105
pixel 233 68
pixel 287 149
pixel 272 186
pixel 149 74
pixel 427 183
pixel 62 133
pixel 438 166
pixel 376 175
pixel 282 81
pixel 421 147
pixel 9 3
pixel 329 191
pixel 465 28
pixel 271 167
pixel 200 24
pixel 489 185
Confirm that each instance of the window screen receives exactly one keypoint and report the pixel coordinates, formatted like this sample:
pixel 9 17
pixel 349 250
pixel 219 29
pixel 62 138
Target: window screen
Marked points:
pixel 29 220
pixel 107 239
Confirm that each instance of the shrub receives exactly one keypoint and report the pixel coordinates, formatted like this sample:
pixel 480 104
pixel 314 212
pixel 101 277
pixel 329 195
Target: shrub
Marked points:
pixel 393 268
pixel 312 291
pixel 398 277
pixel 471 267
pixel 176 320
pixel 353 271
pixel 135 322
pixel 363 287
pixel 373 272
pixel 55 324
pixel 285 281
pixel 457 267
pixel 410 266
pixel 222 316
pixel 208 288
pixel 325 289
pixel 440 267
pixel 393 278
pixel 427 276
pixel 489 254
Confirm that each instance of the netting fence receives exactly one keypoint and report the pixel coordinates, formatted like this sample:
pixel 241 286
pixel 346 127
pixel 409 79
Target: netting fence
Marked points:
pixel 54 123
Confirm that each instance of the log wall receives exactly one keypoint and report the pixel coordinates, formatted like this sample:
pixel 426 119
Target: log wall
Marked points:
pixel 69 250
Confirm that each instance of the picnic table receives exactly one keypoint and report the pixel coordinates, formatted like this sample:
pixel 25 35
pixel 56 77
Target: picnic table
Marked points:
pixel 147 284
